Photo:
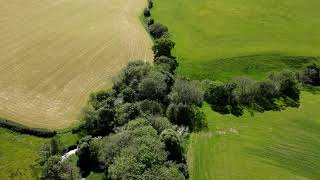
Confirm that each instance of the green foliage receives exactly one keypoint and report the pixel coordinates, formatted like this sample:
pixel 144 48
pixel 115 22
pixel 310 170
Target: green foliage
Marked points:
pixel 160 124
pixel 131 76
pixel 287 83
pixel 153 87
pixel 98 122
pixel 150 108
pixel 52 148
pixel 87 155
pixel 150 21
pixel 170 62
pixel 134 160
pixel 168 171
pixel 221 98
pixel 180 114
pixel 55 169
pixel 157 30
pixel 257 95
pixel 199 121
pixel 39 132
pixel 126 112
pixel 98 99
pixel 128 95
pixel 186 92
pixel 150 4
pixel 146 12
pixel 310 75
pixel 173 146
pixel 163 47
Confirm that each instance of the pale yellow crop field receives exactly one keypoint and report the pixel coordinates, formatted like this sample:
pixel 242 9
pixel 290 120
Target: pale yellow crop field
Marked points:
pixel 54 53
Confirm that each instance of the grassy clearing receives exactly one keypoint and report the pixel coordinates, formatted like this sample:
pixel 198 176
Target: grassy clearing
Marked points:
pixel 55 53
pixel 272 145
pixel 18 154
pixel 95 176
pixel 222 38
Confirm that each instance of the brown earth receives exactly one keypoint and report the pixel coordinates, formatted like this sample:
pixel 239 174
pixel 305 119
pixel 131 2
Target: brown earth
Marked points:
pixel 54 53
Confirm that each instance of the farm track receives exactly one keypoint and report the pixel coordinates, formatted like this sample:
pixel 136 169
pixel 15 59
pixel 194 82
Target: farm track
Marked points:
pixel 55 53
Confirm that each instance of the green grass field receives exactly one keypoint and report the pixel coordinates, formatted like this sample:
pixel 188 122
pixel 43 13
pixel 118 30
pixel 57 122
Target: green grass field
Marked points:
pixel 225 38
pixel 18 155
pixel 272 145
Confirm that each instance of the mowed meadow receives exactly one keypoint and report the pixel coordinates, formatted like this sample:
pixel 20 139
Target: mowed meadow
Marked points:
pixel 266 146
pixel 220 39
pixel 55 53
pixel 18 155
pixel 225 39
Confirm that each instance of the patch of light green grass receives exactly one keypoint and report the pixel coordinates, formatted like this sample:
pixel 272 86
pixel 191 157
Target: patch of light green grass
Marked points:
pixel 95 176
pixel 18 155
pixel 224 38
pixel 68 139
pixel 271 145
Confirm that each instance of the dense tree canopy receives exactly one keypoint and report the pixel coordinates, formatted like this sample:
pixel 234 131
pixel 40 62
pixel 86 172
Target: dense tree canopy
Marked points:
pixel 163 47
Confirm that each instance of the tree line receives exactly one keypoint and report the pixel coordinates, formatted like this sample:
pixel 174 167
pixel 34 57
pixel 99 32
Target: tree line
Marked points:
pixel 144 120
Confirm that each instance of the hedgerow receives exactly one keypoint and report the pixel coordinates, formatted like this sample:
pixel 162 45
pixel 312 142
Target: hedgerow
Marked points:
pixel 39 132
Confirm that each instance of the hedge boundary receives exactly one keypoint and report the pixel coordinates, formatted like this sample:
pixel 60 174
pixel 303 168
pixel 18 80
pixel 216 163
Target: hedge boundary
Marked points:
pixel 16 127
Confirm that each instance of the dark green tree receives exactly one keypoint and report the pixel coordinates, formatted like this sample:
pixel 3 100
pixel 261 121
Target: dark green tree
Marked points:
pixel 187 92
pixel 171 63
pixel 56 169
pixel 157 30
pixel 172 145
pixel 163 47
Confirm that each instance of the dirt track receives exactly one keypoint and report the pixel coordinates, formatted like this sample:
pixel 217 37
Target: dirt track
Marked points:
pixel 55 53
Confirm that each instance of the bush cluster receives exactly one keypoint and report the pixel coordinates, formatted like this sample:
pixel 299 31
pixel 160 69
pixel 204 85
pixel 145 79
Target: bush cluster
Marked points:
pixel 310 75
pixel 276 92
pixel 52 165
pixel 155 29
pixel 39 132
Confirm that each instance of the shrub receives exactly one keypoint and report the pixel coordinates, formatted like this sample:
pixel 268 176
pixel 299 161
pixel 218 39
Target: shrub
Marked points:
pixel 55 169
pixel 126 112
pixel 180 114
pixel 163 47
pixel 150 21
pixel 97 99
pixel 150 4
pixel 13 126
pixel 172 143
pixel 199 122
pixel 150 107
pixel 288 85
pixel 310 75
pixel 98 122
pixel 187 92
pixel 170 62
pixel 87 155
pixel 128 95
pixel 146 12
pixel 160 124
pixel 131 76
pixel 222 99
pixel 245 91
pixel 157 30
pixel 153 87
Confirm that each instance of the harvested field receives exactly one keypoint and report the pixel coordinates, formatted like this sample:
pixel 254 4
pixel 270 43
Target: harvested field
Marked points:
pixel 55 53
